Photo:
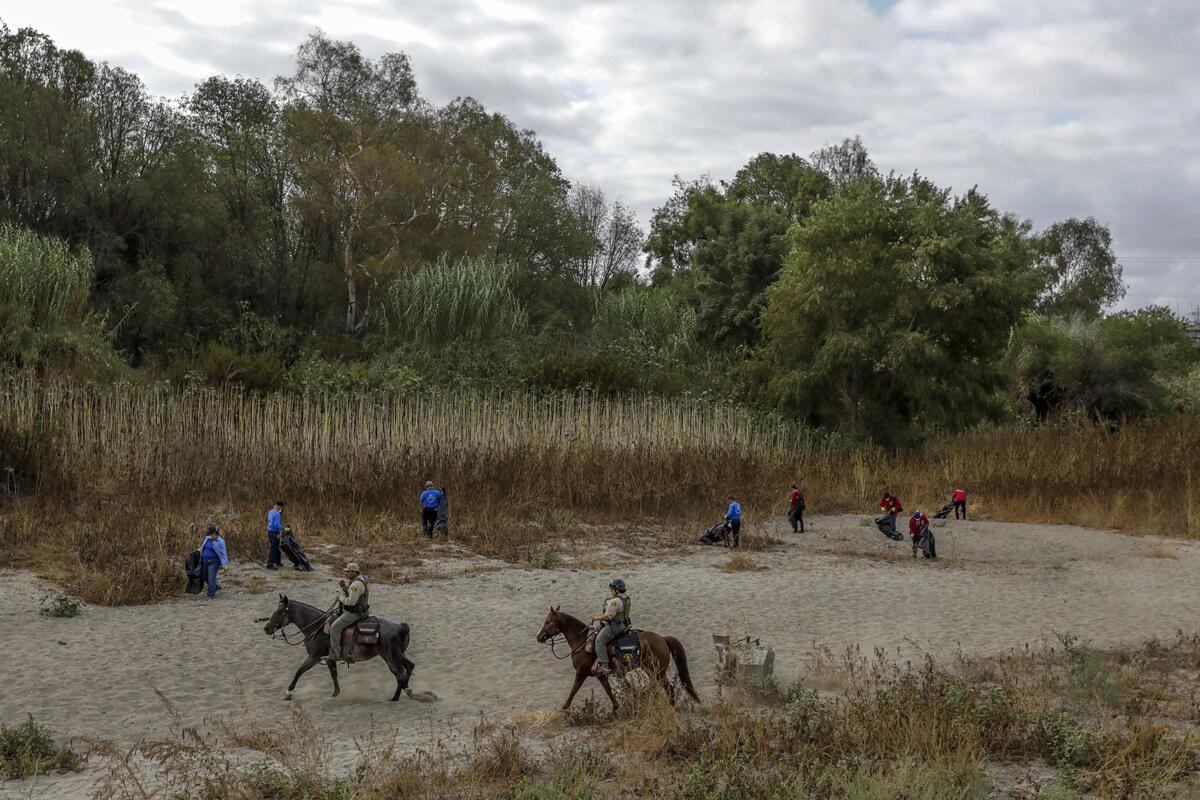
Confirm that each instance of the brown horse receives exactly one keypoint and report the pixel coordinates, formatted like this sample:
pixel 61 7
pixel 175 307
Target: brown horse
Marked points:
pixel 657 652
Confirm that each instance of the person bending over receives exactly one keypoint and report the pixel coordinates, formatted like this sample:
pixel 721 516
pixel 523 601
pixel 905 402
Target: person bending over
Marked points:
pixel 733 517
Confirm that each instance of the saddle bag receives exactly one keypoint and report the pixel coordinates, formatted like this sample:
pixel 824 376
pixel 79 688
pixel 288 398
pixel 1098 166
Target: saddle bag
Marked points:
pixel 628 649
pixel 367 632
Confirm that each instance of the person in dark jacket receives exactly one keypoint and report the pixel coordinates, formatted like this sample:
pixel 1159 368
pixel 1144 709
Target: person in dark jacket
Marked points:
pixel 796 513
pixel 213 558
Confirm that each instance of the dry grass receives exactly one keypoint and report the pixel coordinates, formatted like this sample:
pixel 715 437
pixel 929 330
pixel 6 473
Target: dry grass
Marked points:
pixel 1110 725
pixel 740 563
pixel 1156 551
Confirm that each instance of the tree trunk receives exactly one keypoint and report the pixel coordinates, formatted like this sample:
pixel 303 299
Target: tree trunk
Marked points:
pixel 351 288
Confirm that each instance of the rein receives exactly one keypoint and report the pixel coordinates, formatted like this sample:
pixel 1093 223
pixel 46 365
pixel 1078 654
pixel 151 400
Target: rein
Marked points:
pixel 555 640
pixel 282 634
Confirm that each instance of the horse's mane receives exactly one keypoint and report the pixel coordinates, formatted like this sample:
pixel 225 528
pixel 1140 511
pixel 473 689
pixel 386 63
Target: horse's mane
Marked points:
pixel 309 606
pixel 561 616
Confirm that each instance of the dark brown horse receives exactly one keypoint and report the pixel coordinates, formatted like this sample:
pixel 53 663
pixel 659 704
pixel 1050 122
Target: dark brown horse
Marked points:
pixel 657 652
pixel 393 641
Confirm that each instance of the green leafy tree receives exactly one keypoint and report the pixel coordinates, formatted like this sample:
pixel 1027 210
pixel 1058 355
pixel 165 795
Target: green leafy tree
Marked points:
pixel 1122 366
pixel 1080 270
pixel 895 308
pixel 345 115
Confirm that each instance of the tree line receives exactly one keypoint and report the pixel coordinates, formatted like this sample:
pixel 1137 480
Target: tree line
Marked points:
pixel 338 231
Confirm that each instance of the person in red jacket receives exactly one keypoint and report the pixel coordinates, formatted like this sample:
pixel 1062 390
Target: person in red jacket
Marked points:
pixel 796 513
pixel 922 537
pixel 959 498
pixel 890 505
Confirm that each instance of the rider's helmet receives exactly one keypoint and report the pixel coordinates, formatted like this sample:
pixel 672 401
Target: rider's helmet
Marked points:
pixel 918 514
pixel 618 584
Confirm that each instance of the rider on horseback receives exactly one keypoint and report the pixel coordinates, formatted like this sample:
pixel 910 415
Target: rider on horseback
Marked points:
pixel 352 603
pixel 613 622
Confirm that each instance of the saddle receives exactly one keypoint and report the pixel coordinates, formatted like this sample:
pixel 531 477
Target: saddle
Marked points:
pixel 626 650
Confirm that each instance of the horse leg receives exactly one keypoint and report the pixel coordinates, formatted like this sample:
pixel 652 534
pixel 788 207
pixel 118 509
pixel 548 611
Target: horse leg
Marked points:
pixel 608 690
pixel 333 674
pixel 665 682
pixel 308 664
pixel 580 677
pixel 402 671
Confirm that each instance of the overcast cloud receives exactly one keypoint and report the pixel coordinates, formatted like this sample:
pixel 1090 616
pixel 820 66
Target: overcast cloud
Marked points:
pixel 1053 109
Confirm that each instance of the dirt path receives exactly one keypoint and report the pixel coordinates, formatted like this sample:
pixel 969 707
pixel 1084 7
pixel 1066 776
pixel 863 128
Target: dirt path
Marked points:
pixel 997 586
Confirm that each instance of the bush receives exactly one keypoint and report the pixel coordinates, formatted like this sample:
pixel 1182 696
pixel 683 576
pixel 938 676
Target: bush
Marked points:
pixel 58 604
pixel 568 371
pixel 29 749
pixel 315 374
pixel 218 365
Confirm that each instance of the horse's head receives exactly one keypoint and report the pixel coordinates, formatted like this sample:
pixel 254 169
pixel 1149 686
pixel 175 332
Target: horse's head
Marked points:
pixel 279 618
pixel 550 627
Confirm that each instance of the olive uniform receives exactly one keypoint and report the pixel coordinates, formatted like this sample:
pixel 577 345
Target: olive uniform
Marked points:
pixel 616 611
pixel 354 607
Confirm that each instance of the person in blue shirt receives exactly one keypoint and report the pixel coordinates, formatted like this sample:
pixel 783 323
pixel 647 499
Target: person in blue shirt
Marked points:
pixel 213 558
pixel 274 532
pixel 733 516
pixel 431 498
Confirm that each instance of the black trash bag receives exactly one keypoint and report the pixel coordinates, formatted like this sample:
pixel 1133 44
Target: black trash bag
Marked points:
pixel 944 511
pixel 884 524
pixel 926 543
pixel 442 525
pixel 194 567
pixel 295 553
pixel 716 534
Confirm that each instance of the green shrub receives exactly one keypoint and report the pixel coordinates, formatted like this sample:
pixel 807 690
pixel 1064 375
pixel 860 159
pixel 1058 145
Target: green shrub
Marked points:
pixel 572 370
pixel 29 749
pixel 385 374
pixel 218 365
pixel 59 604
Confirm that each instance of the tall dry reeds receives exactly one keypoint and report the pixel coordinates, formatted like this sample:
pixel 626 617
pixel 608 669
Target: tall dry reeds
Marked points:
pixel 525 453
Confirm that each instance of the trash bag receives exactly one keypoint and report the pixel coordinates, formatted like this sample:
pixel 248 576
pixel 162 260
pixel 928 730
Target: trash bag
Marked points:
pixel 443 515
pixel 194 567
pixel 295 553
pixel 884 524
pixel 926 543
pixel 716 534
pixel 944 511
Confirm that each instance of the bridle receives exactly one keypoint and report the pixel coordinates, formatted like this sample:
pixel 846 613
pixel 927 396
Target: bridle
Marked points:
pixel 553 640
pixel 307 631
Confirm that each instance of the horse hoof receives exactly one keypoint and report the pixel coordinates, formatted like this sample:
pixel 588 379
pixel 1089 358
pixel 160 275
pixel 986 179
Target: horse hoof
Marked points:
pixel 287 696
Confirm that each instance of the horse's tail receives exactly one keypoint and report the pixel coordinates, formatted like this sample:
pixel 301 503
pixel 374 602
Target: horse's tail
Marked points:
pixel 677 653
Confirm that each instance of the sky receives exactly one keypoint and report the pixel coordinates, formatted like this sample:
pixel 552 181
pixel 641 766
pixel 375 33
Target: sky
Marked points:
pixel 1053 108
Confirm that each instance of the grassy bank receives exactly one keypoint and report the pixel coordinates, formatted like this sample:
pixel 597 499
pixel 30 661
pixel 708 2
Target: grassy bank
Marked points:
pixel 1062 722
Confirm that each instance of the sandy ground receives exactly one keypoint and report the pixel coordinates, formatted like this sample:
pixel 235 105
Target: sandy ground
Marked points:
pixel 997 586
